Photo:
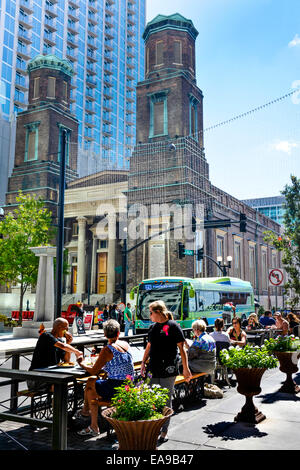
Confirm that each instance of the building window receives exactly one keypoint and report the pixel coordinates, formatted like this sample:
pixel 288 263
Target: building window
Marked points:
pixel 264 273
pixel 31 141
pixel 252 266
pixel 159 53
pixel 36 88
pixel 193 115
pixel 191 57
pixel 237 259
pixel 51 87
pixel 147 60
pixel 178 52
pixel 158 114
pixel 65 91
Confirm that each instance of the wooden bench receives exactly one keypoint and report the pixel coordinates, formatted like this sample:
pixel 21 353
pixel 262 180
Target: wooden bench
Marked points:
pixel 186 392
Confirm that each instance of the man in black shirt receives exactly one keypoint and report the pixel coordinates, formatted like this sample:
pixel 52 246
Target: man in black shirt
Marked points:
pixel 50 350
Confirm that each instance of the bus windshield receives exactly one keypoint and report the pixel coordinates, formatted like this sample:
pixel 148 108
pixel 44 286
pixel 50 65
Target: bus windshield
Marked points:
pixel 171 296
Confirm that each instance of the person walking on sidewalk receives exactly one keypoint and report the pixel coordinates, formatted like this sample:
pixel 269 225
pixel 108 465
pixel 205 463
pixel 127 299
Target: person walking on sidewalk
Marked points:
pixel 129 320
pixel 164 337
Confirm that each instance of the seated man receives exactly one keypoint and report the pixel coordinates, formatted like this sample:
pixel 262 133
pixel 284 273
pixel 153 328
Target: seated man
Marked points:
pixel 50 350
pixel 266 320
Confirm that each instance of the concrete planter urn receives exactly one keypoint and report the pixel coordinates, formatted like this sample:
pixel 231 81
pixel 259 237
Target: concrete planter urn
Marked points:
pixel 249 385
pixel 288 361
pixel 137 435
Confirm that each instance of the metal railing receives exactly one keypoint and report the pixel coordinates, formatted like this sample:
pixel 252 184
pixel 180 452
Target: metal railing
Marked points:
pixel 60 406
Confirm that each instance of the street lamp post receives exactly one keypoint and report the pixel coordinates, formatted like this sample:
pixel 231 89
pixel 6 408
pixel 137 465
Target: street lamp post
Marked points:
pixel 224 267
pixel 60 237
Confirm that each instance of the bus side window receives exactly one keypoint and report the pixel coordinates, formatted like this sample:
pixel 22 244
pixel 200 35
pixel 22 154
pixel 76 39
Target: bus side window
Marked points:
pixel 200 301
pixel 185 306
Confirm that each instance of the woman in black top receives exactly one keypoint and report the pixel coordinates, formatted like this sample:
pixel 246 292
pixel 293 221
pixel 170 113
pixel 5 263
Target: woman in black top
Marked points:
pixel 293 324
pixel 237 336
pixel 164 337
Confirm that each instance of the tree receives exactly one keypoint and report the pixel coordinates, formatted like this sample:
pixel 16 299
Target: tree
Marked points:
pixel 289 242
pixel 28 226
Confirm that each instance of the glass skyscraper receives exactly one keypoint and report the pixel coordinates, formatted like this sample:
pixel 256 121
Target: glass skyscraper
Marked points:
pixel 270 206
pixel 103 41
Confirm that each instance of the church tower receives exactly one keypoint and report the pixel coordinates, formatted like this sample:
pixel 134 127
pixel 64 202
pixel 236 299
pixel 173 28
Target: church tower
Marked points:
pixel 168 165
pixel 38 135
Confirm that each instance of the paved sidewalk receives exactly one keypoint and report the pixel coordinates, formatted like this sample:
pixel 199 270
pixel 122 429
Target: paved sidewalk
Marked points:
pixel 209 425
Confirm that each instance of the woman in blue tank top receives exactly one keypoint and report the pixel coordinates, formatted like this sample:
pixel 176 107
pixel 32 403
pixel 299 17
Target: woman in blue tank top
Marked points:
pixel 116 360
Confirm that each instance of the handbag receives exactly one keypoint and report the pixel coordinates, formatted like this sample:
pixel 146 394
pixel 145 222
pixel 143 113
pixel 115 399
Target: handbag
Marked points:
pixel 212 391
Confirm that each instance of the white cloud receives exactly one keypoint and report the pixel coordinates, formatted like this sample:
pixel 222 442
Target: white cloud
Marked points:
pixel 295 42
pixel 284 146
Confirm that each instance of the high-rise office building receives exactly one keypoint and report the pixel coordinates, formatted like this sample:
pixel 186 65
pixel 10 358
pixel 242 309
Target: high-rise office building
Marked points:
pixel 270 206
pixel 103 41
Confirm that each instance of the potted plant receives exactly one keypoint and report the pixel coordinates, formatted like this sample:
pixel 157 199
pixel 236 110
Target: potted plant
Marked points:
pixel 287 351
pixel 137 414
pixel 248 364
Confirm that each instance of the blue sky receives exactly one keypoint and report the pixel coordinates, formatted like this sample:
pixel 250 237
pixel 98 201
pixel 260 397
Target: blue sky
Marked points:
pixel 247 54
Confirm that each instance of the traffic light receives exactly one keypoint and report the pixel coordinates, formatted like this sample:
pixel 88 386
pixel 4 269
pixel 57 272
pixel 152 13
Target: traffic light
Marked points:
pixel 200 254
pixel 243 223
pixel 181 249
pixel 194 224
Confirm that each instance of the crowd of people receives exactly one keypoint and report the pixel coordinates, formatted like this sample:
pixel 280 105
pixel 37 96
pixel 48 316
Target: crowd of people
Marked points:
pixel 166 355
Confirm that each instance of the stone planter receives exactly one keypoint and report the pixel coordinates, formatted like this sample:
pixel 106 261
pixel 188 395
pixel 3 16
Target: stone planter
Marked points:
pixel 137 435
pixel 289 365
pixel 249 385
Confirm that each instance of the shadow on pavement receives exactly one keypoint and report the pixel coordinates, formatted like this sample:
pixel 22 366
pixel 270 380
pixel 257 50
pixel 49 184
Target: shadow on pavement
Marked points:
pixel 230 431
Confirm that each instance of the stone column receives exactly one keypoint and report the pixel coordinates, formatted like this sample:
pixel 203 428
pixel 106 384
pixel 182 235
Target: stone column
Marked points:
pixel 93 268
pixel 44 303
pixel 81 255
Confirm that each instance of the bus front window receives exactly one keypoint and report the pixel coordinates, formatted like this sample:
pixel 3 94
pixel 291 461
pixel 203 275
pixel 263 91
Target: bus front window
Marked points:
pixel 172 299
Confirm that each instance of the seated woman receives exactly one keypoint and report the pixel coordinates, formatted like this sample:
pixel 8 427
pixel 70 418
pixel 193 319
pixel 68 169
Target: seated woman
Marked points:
pixel 236 335
pixel 253 323
pixel 219 335
pixel 294 323
pixel 116 360
pixel 202 353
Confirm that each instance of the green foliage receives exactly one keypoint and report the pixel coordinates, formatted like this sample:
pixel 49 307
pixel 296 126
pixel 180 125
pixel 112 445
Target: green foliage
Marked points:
pixel 260 311
pixel 249 357
pixel 289 243
pixel 3 317
pixel 28 226
pixel 139 402
pixel 283 344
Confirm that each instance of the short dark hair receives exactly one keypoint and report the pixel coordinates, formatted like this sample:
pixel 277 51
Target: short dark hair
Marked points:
pixel 219 324
pixel 267 312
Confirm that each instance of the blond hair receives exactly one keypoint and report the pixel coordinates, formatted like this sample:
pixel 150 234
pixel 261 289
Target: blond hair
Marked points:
pixel 160 307
pixel 253 315
pixel 199 325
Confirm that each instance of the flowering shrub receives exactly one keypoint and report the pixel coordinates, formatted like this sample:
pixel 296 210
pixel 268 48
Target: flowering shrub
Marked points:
pixel 249 356
pixel 139 402
pixel 283 344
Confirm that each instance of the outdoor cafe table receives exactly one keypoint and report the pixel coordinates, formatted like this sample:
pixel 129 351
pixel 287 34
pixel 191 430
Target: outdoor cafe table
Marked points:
pixel 75 371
